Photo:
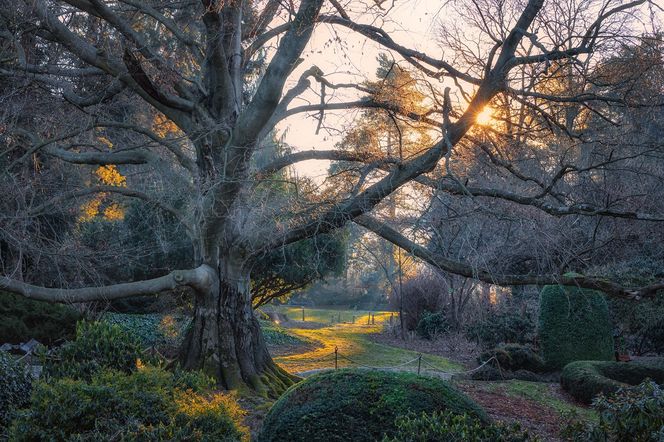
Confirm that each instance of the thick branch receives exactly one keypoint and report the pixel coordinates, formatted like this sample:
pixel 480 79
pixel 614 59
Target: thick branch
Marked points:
pixel 468 271
pixel 197 278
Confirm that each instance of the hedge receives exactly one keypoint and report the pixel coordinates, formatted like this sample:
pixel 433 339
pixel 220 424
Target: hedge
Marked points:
pixel 586 379
pixel 574 325
pixel 358 405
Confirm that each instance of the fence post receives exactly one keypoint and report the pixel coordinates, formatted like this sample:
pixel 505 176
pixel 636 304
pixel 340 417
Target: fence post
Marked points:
pixel 369 319
pixel 302 313
pixel 336 357
pixel 373 319
pixel 353 319
pixel 419 363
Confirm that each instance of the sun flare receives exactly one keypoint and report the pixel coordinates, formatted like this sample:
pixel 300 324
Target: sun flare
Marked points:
pixel 485 117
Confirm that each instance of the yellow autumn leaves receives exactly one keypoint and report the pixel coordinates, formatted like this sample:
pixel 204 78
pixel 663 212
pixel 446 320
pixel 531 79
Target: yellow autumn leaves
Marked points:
pixel 99 207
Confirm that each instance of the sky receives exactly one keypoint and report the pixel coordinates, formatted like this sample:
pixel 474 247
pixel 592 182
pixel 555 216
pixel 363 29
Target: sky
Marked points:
pixel 410 23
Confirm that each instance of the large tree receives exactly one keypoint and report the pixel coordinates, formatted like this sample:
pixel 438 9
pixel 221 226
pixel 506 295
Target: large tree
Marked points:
pixel 88 79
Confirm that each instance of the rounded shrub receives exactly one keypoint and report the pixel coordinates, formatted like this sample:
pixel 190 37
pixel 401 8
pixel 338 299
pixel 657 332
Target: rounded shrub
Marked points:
pixel 584 380
pixel 358 405
pixel 514 357
pixel 98 345
pixel 15 386
pixel 574 325
pixel 148 404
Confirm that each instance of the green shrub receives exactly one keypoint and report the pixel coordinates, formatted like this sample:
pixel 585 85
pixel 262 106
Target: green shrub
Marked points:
pixel 431 325
pixel 358 405
pixel 450 427
pixel 15 387
pixel 503 326
pixel 514 357
pixel 98 345
pixel 586 379
pixel 147 404
pixel 574 325
pixel 635 414
pixel 22 319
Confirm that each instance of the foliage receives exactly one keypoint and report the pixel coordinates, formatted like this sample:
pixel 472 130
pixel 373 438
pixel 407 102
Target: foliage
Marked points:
pixel 98 345
pixel 502 326
pixel 148 404
pixel 432 325
pixel 151 329
pixel 514 357
pixel 358 405
pixel 15 387
pixel 451 427
pixel 574 325
pixel 294 266
pixel 22 319
pixel 275 335
pixel 586 379
pixel 634 414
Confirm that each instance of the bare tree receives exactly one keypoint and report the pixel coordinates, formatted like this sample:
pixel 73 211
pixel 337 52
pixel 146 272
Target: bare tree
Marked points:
pixel 109 66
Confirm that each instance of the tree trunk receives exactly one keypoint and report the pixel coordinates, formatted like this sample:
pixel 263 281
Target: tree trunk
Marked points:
pixel 225 339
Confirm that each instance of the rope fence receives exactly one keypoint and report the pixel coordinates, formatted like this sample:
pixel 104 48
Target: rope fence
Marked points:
pixel 422 364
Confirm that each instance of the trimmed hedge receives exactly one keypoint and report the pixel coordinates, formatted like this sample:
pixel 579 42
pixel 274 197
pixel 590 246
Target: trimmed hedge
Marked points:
pixel 358 405
pixel 574 325
pixel 586 379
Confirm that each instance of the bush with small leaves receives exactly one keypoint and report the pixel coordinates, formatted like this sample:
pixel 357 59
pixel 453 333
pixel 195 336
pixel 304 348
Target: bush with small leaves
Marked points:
pixel 632 414
pixel 503 326
pixel 431 325
pixel 450 427
pixel 574 325
pixel 98 345
pixel 513 357
pixel 584 380
pixel 22 319
pixel 149 404
pixel 15 386
pixel 358 405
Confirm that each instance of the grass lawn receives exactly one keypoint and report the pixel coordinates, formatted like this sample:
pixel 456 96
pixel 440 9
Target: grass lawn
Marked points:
pixel 355 349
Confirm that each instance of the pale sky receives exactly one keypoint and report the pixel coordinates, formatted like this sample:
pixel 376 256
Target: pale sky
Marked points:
pixel 410 23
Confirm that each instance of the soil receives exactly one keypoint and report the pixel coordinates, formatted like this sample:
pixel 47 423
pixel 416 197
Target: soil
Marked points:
pixel 536 418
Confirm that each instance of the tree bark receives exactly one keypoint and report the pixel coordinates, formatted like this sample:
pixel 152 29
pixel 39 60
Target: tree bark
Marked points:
pixel 225 339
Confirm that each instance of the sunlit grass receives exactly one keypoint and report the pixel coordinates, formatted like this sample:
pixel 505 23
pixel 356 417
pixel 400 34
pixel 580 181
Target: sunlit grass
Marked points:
pixel 352 341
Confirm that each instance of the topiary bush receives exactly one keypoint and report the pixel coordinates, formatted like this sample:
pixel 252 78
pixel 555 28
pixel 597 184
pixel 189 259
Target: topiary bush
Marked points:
pixel 22 319
pixel 98 345
pixel 586 379
pixel 431 325
pixel 635 414
pixel 15 387
pixel 514 357
pixel 451 427
pixel 358 405
pixel 574 325
pixel 148 404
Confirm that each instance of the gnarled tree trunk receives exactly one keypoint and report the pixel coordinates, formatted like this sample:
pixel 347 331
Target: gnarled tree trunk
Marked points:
pixel 225 339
